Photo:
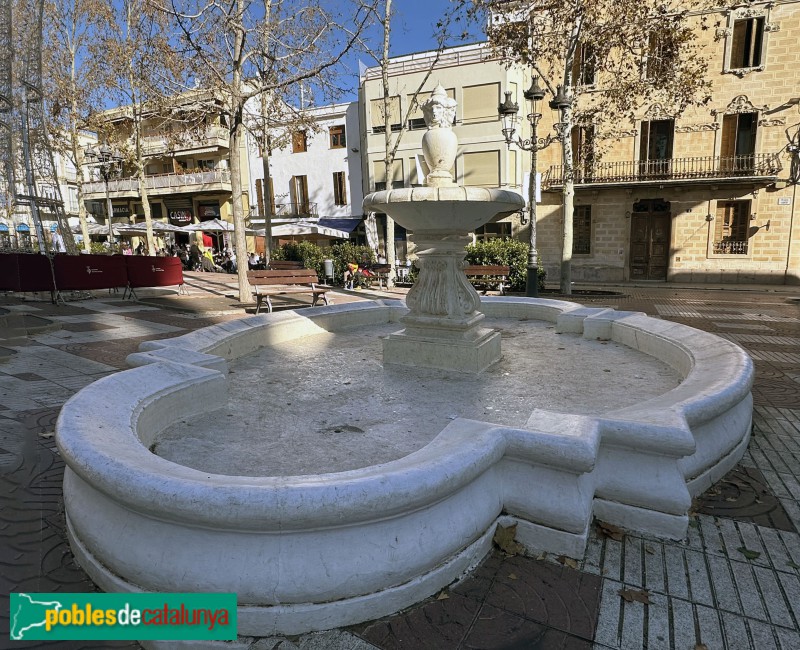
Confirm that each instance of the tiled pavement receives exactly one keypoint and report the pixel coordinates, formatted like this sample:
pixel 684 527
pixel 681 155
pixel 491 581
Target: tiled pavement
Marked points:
pixel 733 583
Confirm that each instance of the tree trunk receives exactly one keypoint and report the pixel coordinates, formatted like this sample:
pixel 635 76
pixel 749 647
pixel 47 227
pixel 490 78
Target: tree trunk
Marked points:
pixel 568 205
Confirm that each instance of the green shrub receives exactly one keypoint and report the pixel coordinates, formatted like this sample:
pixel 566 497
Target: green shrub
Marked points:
pixel 312 256
pixel 306 252
pixel 506 252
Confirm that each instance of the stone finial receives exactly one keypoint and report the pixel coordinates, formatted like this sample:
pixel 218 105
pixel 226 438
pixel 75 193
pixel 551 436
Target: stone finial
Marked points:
pixel 439 144
pixel 439 109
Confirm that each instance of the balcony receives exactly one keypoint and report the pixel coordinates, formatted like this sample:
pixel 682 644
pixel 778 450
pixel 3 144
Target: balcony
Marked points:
pixel 728 169
pixel 729 247
pixel 210 140
pixel 207 181
pixel 303 209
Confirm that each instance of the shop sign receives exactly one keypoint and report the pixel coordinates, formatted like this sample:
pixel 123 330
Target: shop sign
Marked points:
pixel 180 217
pixel 206 212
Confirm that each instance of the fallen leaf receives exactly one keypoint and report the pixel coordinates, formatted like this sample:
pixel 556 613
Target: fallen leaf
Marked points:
pixel 731 499
pixel 541 556
pixel 567 561
pixel 610 530
pixel 750 555
pixel 512 576
pixel 793 565
pixel 504 539
pixel 442 596
pixel 637 595
pixel 700 646
pixel 648 550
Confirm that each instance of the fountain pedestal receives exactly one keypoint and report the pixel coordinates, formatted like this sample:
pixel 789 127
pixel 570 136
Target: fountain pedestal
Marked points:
pixel 443 328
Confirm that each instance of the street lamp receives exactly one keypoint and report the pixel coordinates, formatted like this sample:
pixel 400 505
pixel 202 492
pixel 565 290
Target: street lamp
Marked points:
pixel 105 159
pixel 508 112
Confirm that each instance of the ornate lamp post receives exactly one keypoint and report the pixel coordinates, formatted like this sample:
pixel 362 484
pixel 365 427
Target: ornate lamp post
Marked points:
pixel 508 112
pixel 105 159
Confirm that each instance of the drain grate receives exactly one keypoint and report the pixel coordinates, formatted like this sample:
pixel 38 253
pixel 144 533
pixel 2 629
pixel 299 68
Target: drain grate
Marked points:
pixel 743 495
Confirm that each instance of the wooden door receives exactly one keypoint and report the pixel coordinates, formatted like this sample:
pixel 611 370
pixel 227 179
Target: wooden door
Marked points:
pixel 650 237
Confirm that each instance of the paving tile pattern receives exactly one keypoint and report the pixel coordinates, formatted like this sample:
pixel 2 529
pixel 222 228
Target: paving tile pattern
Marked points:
pixel 733 583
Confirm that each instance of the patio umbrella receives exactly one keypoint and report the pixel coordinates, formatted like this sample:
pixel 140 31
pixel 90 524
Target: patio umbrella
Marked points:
pixel 98 229
pixel 158 227
pixel 213 225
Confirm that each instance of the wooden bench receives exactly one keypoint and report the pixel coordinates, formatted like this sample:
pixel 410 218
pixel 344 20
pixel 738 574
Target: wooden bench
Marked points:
pixel 488 276
pixel 381 271
pixel 276 282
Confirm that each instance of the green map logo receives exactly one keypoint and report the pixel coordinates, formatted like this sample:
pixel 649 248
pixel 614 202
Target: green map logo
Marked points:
pixel 111 617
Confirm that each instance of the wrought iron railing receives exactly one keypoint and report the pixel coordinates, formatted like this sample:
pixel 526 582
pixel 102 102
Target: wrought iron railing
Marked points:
pixel 296 209
pixel 696 168
pixel 730 247
pixel 184 182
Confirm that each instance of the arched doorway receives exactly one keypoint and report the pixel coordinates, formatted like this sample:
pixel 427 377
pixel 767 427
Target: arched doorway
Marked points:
pixel 650 237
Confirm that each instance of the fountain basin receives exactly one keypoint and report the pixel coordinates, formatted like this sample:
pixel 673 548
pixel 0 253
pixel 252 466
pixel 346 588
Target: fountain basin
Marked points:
pixel 319 551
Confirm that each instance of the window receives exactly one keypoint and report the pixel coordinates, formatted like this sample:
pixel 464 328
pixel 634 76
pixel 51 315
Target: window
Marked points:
pixel 738 142
pixel 339 188
pixel 731 227
pixel 338 140
pixel 482 168
pixel 655 147
pixel 583 151
pixel 379 174
pixel 582 230
pixel 377 113
pixel 300 195
pixel 501 229
pixel 747 43
pixel 662 55
pixel 418 170
pixel 260 197
pixel 584 66
pixel 73 199
pixel 480 103
pixel 299 142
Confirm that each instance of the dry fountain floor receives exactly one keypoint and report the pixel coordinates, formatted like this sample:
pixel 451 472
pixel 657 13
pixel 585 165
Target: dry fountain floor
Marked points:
pixel 704 590
pixel 326 403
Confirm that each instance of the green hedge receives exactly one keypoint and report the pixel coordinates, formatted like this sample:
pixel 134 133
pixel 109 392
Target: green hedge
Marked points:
pixel 312 256
pixel 506 252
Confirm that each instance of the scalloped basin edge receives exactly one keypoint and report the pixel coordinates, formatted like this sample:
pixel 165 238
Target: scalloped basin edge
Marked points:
pixel 309 553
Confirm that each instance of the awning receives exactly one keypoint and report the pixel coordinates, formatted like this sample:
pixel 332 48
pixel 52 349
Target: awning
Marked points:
pixel 346 225
pixel 310 230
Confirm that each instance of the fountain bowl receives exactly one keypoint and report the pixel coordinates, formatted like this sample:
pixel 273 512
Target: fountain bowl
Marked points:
pixel 315 552
pixel 457 209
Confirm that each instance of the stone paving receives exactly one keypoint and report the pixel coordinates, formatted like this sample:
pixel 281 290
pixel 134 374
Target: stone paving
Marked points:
pixel 733 583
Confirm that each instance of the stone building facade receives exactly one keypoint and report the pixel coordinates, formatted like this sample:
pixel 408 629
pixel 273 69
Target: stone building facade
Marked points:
pixel 709 195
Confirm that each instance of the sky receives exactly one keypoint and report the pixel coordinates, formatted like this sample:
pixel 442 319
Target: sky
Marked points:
pixel 413 30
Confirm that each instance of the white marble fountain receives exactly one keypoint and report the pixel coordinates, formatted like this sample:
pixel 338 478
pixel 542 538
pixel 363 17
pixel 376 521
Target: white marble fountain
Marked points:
pixel 312 551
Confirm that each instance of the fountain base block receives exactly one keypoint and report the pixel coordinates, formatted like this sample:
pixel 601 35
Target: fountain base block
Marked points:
pixel 409 348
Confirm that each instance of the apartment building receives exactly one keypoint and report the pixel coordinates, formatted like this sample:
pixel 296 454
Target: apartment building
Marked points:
pixel 709 195
pixel 315 173
pixel 188 177
pixel 476 80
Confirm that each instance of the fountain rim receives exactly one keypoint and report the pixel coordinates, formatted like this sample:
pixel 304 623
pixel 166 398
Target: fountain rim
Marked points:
pixel 180 492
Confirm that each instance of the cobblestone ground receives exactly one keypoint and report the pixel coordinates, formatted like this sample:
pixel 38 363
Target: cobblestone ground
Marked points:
pixel 733 583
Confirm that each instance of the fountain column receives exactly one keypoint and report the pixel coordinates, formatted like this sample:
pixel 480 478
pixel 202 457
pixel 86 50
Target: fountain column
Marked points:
pixel 443 326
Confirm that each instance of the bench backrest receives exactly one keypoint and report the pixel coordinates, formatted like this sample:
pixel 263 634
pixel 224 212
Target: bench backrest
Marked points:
pixel 476 269
pixel 286 276
pixel 281 265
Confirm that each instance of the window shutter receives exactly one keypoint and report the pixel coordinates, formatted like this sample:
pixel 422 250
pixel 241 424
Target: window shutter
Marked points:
pixel 482 168
pixel 480 102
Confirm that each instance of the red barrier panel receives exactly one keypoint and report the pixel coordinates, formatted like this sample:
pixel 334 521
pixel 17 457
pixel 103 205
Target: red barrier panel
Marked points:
pixel 146 271
pixel 9 272
pixel 87 272
pixel 35 273
pixel 21 272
